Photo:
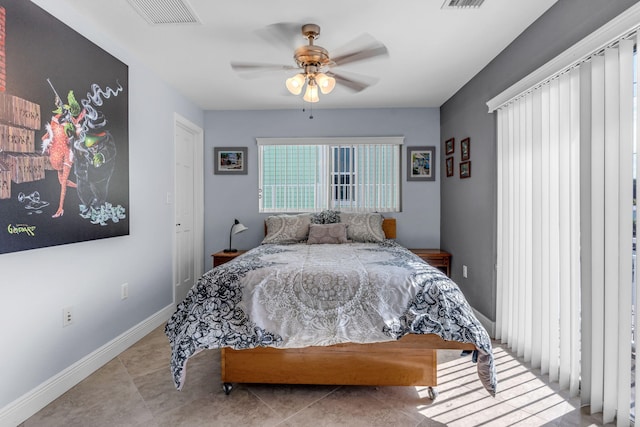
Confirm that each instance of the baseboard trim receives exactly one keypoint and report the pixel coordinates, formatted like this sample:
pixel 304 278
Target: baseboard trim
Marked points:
pixel 488 324
pixel 31 402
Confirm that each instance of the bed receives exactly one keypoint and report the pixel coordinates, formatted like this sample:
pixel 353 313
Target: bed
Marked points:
pixel 355 309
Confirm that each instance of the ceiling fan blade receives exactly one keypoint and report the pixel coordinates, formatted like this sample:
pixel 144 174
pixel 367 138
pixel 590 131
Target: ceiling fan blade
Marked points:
pixel 364 47
pixel 356 84
pixel 283 34
pixel 256 69
pixel 361 55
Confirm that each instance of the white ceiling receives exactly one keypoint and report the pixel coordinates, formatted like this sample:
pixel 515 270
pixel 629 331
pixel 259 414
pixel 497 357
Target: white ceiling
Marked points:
pixel 432 52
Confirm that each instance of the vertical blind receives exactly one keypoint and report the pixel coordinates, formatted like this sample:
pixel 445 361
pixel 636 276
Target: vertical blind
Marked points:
pixel 565 228
pixel 312 174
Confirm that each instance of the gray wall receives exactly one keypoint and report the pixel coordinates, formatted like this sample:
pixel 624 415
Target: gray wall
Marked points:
pixel 235 196
pixel 468 220
pixel 37 284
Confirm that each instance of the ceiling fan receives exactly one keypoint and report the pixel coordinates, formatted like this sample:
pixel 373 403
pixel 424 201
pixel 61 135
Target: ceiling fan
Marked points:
pixel 315 65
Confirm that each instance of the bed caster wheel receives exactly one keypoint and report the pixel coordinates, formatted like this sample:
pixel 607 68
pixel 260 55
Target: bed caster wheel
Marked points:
pixel 227 387
pixel 433 393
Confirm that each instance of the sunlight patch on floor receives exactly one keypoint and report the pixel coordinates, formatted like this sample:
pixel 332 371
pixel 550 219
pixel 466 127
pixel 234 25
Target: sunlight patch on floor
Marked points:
pixel 524 397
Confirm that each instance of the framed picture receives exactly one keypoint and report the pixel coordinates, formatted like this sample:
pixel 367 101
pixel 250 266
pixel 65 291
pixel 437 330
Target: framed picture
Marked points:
pixel 449 146
pixel 230 160
pixel 421 163
pixel 465 169
pixel 49 90
pixel 449 166
pixel 465 146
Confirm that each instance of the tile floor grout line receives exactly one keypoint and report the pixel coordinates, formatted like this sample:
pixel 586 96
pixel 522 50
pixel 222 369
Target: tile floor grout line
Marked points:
pixel 135 386
pixel 304 408
pixel 268 406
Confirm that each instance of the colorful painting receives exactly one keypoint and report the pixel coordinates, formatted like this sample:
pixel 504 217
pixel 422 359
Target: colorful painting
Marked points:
pixel 64 139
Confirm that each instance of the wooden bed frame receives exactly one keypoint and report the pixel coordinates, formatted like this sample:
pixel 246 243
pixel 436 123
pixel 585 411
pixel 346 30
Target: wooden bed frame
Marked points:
pixel 409 361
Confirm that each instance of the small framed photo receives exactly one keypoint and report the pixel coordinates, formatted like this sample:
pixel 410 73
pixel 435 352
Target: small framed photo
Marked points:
pixel 450 146
pixel 230 160
pixel 465 146
pixel 449 166
pixel 465 169
pixel 421 163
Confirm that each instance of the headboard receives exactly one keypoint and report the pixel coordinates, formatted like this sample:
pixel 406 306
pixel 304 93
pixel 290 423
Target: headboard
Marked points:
pixel 388 226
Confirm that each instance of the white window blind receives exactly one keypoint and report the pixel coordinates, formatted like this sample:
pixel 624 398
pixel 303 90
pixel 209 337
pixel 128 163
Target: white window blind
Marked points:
pixel 565 265
pixel 312 174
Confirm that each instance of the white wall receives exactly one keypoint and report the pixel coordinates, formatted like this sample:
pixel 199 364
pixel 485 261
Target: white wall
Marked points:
pixel 35 285
pixel 235 196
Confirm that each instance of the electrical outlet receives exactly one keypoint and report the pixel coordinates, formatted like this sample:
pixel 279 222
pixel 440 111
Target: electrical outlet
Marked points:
pixel 464 271
pixel 124 291
pixel 67 316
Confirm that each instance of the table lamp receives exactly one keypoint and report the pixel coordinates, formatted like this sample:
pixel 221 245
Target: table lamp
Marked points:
pixel 236 228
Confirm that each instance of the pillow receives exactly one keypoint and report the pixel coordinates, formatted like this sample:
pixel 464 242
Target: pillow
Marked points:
pixel 327 233
pixel 363 227
pixel 284 229
pixel 325 217
pixel 316 218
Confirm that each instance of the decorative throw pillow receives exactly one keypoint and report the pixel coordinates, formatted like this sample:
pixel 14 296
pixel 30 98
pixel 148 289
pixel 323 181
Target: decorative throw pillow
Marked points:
pixel 331 217
pixel 284 229
pixel 325 217
pixel 363 227
pixel 317 218
pixel 327 233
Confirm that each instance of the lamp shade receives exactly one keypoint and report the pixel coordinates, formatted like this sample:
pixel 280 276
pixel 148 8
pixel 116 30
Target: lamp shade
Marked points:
pixel 294 84
pixel 326 83
pixel 238 227
pixel 311 95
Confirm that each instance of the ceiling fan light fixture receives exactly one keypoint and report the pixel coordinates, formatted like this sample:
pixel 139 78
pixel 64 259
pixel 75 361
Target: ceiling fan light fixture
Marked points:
pixel 326 83
pixel 314 65
pixel 294 84
pixel 311 94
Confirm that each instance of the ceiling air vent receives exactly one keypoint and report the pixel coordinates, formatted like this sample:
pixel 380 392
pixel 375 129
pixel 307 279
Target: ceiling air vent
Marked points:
pixel 461 4
pixel 159 12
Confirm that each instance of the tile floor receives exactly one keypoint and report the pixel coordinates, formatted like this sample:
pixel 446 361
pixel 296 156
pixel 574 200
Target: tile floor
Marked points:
pixel 135 389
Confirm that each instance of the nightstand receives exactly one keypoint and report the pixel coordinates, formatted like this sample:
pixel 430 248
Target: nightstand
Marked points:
pixel 435 257
pixel 221 257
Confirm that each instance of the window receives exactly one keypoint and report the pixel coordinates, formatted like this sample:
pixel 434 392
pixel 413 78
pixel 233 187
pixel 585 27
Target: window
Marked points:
pixel 343 175
pixel 312 174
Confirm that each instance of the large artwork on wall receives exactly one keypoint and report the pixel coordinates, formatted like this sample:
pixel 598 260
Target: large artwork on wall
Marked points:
pixel 64 139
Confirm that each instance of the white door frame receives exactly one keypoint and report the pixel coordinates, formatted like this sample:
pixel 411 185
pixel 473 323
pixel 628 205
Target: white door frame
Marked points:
pixel 198 198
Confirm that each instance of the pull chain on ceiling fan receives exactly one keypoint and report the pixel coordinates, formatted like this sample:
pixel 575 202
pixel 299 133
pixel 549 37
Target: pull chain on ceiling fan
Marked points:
pixel 315 65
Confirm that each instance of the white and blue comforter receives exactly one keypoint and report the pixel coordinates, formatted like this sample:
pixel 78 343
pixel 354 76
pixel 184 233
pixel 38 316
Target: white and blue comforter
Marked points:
pixel 303 295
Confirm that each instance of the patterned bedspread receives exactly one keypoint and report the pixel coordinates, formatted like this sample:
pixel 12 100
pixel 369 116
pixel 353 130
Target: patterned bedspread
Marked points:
pixel 303 295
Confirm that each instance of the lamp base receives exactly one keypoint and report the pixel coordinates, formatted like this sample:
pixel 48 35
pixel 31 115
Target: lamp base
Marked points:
pixel 228 251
